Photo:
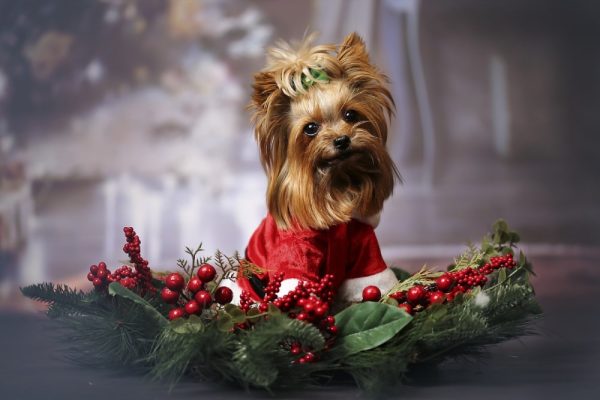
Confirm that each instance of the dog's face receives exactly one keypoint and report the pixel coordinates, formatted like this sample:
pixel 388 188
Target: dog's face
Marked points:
pixel 321 123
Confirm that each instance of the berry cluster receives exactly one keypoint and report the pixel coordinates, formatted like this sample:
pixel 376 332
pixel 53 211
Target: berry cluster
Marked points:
pixel 446 287
pixel 132 249
pixel 309 302
pixel 139 277
pixel 196 298
pixel 506 261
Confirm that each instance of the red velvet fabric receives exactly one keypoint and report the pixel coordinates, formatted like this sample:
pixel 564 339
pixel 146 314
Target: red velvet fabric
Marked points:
pixel 346 251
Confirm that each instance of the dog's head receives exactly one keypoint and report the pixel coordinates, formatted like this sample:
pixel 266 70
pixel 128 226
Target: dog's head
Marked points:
pixel 321 121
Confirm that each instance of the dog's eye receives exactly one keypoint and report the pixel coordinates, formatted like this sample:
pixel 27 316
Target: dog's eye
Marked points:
pixel 311 129
pixel 350 116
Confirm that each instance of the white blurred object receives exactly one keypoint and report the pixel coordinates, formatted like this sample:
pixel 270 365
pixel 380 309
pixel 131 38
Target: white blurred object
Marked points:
pixel 500 107
pixel 399 27
pixel 3 84
pixel 187 129
pixel 94 72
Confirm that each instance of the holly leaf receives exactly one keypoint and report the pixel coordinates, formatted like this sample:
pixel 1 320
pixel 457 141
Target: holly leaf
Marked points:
pixel 116 289
pixel 365 326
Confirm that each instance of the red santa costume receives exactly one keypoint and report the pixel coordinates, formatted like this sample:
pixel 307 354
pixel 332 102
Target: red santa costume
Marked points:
pixel 348 251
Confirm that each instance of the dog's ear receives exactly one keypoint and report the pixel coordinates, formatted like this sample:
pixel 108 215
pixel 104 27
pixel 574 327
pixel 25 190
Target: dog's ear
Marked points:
pixel 269 107
pixel 352 53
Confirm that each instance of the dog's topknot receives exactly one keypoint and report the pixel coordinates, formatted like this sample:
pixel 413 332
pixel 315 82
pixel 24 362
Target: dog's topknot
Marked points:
pixel 296 66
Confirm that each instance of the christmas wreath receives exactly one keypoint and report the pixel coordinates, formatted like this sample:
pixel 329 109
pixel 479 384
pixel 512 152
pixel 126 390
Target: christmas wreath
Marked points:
pixel 183 323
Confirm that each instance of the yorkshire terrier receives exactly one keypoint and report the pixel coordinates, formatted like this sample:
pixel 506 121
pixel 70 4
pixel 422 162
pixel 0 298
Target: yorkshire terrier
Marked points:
pixel 321 122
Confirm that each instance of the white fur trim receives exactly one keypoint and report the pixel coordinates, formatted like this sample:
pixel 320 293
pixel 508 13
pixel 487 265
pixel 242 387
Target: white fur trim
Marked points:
pixel 287 285
pixel 237 291
pixel 373 220
pixel 351 289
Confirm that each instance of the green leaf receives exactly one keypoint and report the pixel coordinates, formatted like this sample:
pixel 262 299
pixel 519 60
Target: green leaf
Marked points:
pixel 115 289
pixel 191 325
pixel 400 273
pixel 235 313
pixel 367 325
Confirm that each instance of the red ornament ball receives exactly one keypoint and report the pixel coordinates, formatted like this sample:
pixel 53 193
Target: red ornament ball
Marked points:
pixel 175 281
pixel 436 297
pixel 445 282
pixel 206 273
pixel 195 284
pixel 203 299
pixel 192 307
pixel 169 296
pixel 371 293
pixel 415 294
pixel 223 295
pixel 176 313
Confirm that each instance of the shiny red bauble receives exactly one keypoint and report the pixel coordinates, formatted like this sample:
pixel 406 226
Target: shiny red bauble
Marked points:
pixel 175 281
pixel 445 282
pixel 415 294
pixel 192 307
pixel 223 295
pixel 168 295
pixel 206 273
pixel 371 293
pixel 203 299
pixel 436 297
pixel 195 285
pixel 176 313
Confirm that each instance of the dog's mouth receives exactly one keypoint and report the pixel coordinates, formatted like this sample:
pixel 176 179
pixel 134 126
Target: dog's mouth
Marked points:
pixel 338 159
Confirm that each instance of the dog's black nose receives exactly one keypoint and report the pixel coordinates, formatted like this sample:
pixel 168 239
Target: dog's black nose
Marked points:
pixel 341 143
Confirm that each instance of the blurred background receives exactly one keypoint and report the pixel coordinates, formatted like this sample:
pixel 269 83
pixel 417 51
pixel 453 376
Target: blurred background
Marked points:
pixel 132 112
pixel 129 112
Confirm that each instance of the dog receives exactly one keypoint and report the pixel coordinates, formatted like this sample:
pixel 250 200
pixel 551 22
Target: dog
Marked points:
pixel 321 116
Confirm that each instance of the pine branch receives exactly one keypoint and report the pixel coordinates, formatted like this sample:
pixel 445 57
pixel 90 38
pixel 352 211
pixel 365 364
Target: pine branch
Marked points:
pixel 50 293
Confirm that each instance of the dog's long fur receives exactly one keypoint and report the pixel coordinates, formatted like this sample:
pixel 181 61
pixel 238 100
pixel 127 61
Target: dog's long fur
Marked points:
pixel 310 183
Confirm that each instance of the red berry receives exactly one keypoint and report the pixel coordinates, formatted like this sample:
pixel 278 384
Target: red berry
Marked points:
pixel 195 284
pixel 309 357
pixel 332 329
pixel 94 269
pixel 398 296
pixel 91 276
pixel 444 282
pixel 223 295
pixel 175 281
pixel 321 311
pixel 206 273
pixel 97 282
pixel 192 307
pixel 102 273
pixel 371 293
pixel 406 307
pixel 176 313
pixel 415 294
pixel 203 299
pixel 295 349
pixel 436 297
pixel 101 265
pixel 168 295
